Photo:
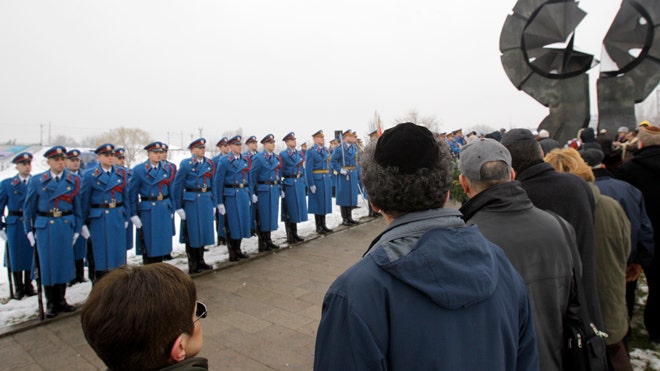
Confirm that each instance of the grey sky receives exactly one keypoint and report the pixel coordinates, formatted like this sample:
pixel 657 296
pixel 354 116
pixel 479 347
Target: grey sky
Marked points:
pixel 265 65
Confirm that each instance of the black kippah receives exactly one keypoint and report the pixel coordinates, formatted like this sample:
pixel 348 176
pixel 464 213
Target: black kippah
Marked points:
pixel 408 147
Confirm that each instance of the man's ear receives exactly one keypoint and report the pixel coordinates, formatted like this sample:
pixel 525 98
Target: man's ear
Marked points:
pixel 464 183
pixel 178 352
pixel 513 174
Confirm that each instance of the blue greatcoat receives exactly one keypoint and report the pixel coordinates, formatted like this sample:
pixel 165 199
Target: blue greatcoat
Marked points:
pixel 253 211
pixel 12 196
pixel 106 208
pixel 149 192
pixel 193 192
pixel 317 169
pixel 293 182
pixel 232 184
pixel 80 247
pixel 129 229
pixel 266 174
pixel 345 156
pixel 54 234
pixel 220 225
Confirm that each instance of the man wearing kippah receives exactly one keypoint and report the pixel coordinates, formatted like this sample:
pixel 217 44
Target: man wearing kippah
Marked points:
pixel 53 220
pixel 505 215
pixel 106 205
pixel 19 253
pixel 80 247
pixel 151 206
pixel 194 201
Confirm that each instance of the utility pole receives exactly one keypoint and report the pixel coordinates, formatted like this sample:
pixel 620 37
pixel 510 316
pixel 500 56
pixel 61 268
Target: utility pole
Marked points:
pixel 181 138
pixel 200 131
pixel 168 138
pixel 49 133
pixel 41 135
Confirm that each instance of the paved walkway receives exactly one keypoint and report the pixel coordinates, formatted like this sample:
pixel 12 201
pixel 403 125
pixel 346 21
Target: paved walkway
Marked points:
pixel 263 312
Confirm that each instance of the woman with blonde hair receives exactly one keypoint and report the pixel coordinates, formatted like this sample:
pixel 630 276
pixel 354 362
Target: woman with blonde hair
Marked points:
pixel 612 248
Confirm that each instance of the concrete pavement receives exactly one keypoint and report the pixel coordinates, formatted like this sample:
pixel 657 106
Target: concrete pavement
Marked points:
pixel 263 312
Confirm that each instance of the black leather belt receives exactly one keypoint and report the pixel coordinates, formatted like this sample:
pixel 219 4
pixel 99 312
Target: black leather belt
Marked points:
pixel 111 205
pixel 202 190
pixel 15 213
pixel 54 214
pixel 235 185
pixel 157 198
pixel 267 182
pixel 293 176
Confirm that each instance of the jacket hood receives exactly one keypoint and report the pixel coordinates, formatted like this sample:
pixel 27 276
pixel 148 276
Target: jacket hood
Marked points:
pixel 452 264
pixel 648 157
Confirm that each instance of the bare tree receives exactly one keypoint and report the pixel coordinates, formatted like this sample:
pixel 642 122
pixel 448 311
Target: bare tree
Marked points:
pixel 431 122
pixel 131 139
pixel 479 128
pixel 65 141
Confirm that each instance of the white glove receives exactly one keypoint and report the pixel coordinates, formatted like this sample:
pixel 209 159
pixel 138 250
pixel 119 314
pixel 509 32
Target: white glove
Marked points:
pixel 254 199
pixel 3 234
pixel 343 172
pixel 125 225
pixel 30 237
pixel 136 221
pixel 182 213
pixel 282 195
pixel 75 237
pixel 221 209
pixel 312 189
pixel 84 231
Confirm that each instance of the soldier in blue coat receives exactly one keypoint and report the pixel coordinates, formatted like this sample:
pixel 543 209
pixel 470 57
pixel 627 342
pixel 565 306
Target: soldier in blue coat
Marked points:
pixel 223 149
pixel 120 162
pixel 265 173
pixel 151 207
pixel 53 220
pixel 294 204
pixel 19 254
pixel 106 207
pixel 194 201
pixel 344 162
pixel 251 144
pixel 317 169
pixel 234 194
pixel 80 247
pixel 164 157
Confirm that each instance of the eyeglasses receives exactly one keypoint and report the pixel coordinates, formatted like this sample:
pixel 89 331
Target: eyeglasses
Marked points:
pixel 200 311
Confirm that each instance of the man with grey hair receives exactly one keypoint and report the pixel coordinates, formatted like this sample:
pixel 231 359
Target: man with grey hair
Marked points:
pixel 505 215
pixel 430 293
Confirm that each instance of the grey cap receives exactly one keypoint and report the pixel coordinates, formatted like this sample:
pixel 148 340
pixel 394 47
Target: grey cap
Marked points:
pixel 479 152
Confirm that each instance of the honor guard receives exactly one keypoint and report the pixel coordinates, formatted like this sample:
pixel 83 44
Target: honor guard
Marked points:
pixel 344 162
pixel 19 254
pixel 294 204
pixel 194 201
pixel 373 139
pixel 172 166
pixel 251 144
pixel 333 174
pixel 317 169
pixel 120 162
pixel 265 173
pixel 106 206
pixel 223 147
pixel 151 206
pixel 234 195
pixel 53 220
pixel 80 247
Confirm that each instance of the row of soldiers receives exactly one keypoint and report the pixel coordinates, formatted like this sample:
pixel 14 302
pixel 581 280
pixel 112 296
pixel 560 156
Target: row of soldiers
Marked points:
pixel 62 216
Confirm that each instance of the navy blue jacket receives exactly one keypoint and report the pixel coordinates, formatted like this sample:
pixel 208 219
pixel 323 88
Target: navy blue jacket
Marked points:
pixel 432 294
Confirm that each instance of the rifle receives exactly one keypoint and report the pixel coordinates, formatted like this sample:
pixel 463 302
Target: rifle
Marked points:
pixel 10 278
pixel 37 277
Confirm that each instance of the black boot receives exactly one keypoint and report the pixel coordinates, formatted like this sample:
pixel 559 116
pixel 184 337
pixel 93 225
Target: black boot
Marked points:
pixel 51 310
pixel 319 224
pixel 231 251
pixel 221 241
pixel 19 292
pixel 201 264
pixel 289 233
pixel 191 254
pixel 344 216
pixel 262 243
pixel 80 273
pixel 62 305
pixel 294 230
pixel 27 284
pixel 325 227
pixel 269 241
pixel 349 216
pixel 240 253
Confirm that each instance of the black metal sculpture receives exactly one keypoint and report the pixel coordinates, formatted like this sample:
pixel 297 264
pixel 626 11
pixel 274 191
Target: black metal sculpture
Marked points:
pixel 556 76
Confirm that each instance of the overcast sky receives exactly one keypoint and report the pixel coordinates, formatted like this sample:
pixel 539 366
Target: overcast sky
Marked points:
pixel 264 65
